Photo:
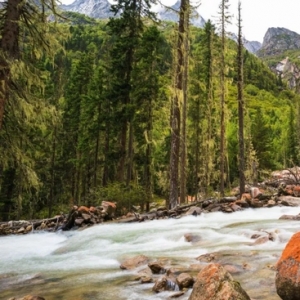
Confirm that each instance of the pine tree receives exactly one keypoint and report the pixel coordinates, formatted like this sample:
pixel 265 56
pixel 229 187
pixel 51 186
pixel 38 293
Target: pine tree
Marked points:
pixel 224 20
pixel 175 106
pixel 15 13
pixel 126 32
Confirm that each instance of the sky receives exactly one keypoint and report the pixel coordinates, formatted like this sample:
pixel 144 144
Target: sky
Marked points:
pixel 257 15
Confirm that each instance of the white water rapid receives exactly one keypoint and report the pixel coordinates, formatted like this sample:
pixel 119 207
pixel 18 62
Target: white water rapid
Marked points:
pixel 85 264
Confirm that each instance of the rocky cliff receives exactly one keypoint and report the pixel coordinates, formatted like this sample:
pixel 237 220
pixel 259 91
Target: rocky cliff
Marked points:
pixel 277 40
pixel 289 72
pixel 252 46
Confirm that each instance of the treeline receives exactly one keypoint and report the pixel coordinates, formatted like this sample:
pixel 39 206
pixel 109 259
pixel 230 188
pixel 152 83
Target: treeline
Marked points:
pixel 90 119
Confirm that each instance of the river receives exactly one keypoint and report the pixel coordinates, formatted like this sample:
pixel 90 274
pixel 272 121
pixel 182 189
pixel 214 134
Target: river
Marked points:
pixel 85 264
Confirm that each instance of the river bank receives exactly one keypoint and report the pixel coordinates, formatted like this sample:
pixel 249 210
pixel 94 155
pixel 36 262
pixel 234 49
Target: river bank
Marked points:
pixel 86 264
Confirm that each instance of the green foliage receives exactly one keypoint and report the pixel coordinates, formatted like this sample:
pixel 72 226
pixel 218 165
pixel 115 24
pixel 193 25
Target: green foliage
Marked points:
pixel 71 109
pixel 124 197
pixel 74 18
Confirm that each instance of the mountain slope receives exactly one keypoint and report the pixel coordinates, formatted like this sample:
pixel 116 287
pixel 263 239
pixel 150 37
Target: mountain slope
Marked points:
pixel 277 40
pixel 98 9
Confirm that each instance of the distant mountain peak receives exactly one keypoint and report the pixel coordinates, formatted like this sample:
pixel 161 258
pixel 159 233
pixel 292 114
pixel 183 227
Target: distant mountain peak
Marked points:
pixel 277 40
pixel 100 9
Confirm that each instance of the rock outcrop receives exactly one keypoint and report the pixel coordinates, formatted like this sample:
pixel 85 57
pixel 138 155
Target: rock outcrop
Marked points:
pixel 214 282
pixel 277 40
pixel 288 71
pixel 288 270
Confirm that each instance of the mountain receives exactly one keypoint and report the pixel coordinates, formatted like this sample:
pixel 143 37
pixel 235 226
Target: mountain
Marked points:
pixel 252 46
pixel 171 15
pixel 281 52
pixel 100 9
pixel 277 40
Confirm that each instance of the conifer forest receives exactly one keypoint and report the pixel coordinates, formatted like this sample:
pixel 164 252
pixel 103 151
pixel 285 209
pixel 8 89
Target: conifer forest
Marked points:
pixel 133 109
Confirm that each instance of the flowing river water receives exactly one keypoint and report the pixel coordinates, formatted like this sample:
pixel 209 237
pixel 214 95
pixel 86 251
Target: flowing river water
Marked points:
pixel 81 265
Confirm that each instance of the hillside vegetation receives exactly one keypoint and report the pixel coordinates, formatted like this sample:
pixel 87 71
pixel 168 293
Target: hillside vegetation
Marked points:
pixel 93 127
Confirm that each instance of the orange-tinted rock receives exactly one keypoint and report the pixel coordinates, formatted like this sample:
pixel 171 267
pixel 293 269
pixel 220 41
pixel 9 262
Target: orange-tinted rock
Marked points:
pixel 288 270
pixel 246 197
pixel 93 209
pixel 288 191
pixel 108 203
pixel 134 262
pixel 83 209
pixel 296 191
pixel 214 282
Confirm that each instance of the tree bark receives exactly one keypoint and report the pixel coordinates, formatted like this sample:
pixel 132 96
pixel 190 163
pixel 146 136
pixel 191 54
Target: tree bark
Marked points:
pixel 175 109
pixel 184 104
pixel 241 104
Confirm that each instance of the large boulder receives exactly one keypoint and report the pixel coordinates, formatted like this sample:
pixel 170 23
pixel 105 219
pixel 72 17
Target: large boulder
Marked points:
pixel 289 200
pixel 288 270
pixel 214 282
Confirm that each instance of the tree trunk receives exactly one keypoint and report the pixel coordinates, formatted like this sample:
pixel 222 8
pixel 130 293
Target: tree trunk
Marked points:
pixel 222 99
pixel 241 104
pixel 52 177
pixel 175 110
pixel 183 158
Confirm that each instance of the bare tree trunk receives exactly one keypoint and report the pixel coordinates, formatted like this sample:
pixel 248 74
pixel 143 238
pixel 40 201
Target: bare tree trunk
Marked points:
pixel 175 110
pixel 130 155
pixel 53 156
pixel 241 104
pixel 174 156
pixel 222 99
pixel 183 158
